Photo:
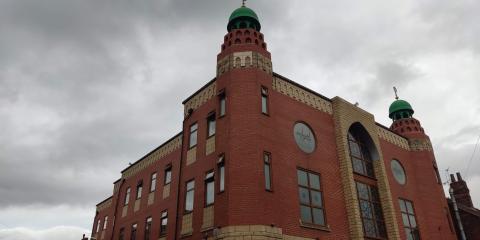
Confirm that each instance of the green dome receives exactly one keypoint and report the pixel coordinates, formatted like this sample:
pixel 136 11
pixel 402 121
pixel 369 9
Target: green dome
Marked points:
pixel 243 17
pixel 400 106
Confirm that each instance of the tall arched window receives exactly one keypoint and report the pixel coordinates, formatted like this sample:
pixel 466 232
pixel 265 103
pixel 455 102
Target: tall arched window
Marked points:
pixel 360 155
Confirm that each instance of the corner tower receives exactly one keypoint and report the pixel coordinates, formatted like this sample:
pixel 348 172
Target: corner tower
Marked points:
pixel 401 112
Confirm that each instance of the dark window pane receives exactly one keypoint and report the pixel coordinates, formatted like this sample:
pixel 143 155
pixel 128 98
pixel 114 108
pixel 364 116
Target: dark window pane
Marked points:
pixel 268 185
pixel 374 194
pixel 318 217
pixel 314 181
pixel 302 178
pixel 369 226
pixel 264 104
pixel 210 193
pixel 362 191
pixel 377 208
pixel 306 214
pixel 304 196
pixel 358 166
pixel 316 198
pixel 370 171
pixel 409 207
pixel 355 149
pixel 409 234
pixel 366 209
pixel 382 231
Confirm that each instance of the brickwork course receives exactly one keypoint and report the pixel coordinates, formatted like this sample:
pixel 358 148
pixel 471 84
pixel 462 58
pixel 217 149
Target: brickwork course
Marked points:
pixel 245 134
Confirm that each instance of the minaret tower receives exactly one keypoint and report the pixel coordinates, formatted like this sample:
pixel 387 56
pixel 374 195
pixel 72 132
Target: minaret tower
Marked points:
pixel 401 112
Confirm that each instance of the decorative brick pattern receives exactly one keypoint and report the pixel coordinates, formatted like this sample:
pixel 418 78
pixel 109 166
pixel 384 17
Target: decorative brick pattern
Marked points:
pixel 420 145
pixel 200 98
pixel 246 59
pixel 136 206
pixel 159 153
pixel 250 232
pixel 346 114
pixel 393 138
pixel 210 146
pixel 301 95
pixel 208 217
pixel 102 236
pixel 166 191
pixel 191 156
pixel 187 228
pixel 124 211
pixel 104 205
pixel 151 198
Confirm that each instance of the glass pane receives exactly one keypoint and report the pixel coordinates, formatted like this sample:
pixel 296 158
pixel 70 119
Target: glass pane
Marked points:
pixel 413 223
pixel 189 201
pixel 398 172
pixel 350 136
pixel 222 178
pixel 318 217
pixel 402 205
pixel 190 185
pixel 369 227
pixel 377 208
pixel 267 177
pixel 374 194
pixel 193 127
pixel 366 209
pixel 405 220
pixel 302 178
pixel 316 198
pixel 222 106
pixel 303 195
pixel 211 126
pixel 409 207
pixel 355 149
pixel 314 181
pixel 210 193
pixel 193 139
pixel 408 233
pixel 306 214
pixel 264 104
pixel 362 190
pixel 382 231
pixel 370 171
pixel 358 166
pixel 168 176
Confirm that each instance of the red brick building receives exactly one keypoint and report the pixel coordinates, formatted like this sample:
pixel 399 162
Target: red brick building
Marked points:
pixel 262 157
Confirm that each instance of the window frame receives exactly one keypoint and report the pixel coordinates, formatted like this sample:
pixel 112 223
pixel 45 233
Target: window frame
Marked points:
pixel 211 119
pixel 267 163
pixel 167 174
pixel 222 103
pixel 191 132
pixel 105 223
pixel 264 96
pixel 406 212
pixel 365 158
pixel 209 179
pixel 221 173
pixel 133 231
pixel 153 182
pixel 371 203
pixel 186 211
pixel 98 225
pixel 148 228
pixel 311 205
pixel 126 200
pixel 139 190
pixel 163 230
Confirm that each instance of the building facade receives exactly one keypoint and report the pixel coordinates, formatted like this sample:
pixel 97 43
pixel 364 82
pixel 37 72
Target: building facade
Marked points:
pixel 262 157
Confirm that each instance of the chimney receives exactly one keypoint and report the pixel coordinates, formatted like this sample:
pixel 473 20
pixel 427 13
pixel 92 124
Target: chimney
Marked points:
pixel 461 191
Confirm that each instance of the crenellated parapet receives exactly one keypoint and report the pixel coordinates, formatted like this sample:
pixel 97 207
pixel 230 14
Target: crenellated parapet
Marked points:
pixel 199 98
pixel 157 154
pixel 302 95
pixel 246 59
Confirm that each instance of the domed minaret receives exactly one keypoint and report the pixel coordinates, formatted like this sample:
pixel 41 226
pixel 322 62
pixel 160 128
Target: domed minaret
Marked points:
pixel 401 112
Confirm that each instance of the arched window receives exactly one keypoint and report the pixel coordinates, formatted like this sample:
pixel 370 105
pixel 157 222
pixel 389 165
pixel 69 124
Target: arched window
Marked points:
pixel 248 40
pixel 237 41
pixel 239 33
pixel 237 62
pixel 361 159
pixel 247 61
pixel 247 33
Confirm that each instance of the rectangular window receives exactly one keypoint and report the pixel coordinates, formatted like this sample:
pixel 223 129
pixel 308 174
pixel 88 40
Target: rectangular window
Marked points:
pixel 133 233
pixel 190 187
pixel 371 211
pixel 168 175
pixel 148 228
pixel 267 171
pixel 311 198
pixel 127 196
pixel 139 190
pixel 121 236
pixel 153 182
pixel 222 102
pixel 408 219
pixel 163 223
pixel 211 128
pixel 264 100
pixel 221 173
pixel 98 225
pixel 209 188
pixel 193 135
pixel 105 222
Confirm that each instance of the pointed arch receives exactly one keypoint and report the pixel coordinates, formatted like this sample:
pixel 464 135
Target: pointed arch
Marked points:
pixel 362 150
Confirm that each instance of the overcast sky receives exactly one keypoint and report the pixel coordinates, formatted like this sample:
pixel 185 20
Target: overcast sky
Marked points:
pixel 88 86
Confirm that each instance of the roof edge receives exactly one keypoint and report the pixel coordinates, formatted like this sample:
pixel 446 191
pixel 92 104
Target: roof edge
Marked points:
pixel 301 86
pixel 199 90
pixel 104 200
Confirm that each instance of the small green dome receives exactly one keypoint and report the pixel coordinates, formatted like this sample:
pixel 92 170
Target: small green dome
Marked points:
pixel 400 106
pixel 243 17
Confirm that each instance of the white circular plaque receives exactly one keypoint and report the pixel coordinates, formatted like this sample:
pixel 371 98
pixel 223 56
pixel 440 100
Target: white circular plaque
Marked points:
pixel 304 137
pixel 398 172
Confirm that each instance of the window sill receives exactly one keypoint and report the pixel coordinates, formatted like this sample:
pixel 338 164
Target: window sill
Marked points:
pixel 266 114
pixel 315 226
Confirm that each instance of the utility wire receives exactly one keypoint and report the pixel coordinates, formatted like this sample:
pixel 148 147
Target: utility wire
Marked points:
pixel 471 158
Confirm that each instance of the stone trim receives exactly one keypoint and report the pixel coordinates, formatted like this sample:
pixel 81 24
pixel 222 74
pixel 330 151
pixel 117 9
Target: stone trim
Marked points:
pixel 208 217
pixel 247 59
pixel 153 157
pixel 200 98
pixel 244 232
pixel 124 211
pixel 345 114
pixel 420 145
pixel 187 224
pixel 105 204
pixel 210 145
pixel 393 138
pixel 166 191
pixel 191 156
pixel 301 95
